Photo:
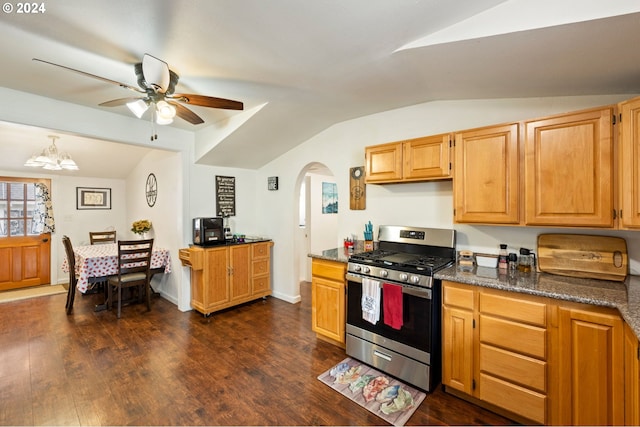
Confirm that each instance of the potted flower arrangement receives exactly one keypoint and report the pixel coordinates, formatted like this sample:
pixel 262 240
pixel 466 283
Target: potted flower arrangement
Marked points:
pixel 141 227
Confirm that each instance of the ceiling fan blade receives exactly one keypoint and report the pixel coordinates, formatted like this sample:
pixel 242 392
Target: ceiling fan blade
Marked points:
pixel 118 102
pixel 156 73
pixel 123 85
pixel 186 114
pixel 208 101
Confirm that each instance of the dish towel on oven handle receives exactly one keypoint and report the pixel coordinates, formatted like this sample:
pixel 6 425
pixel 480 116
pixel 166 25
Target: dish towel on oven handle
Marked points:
pixel 370 300
pixel 392 305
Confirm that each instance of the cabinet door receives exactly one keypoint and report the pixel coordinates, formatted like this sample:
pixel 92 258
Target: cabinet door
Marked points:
pixel 569 170
pixel 216 278
pixel 427 158
pixel 631 378
pixel 591 390
pixel 630 163
pixel 486 176
pixel 328 308
pixel 383 163
pixel 457 349
pixel 239 271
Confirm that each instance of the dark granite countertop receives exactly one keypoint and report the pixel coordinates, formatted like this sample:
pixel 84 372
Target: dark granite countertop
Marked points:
pixel 625 296
pixel 336 254
pixel 233 243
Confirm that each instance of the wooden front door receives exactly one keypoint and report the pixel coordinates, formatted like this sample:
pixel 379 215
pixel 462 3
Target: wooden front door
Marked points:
pixel 24 255
pixel 25 261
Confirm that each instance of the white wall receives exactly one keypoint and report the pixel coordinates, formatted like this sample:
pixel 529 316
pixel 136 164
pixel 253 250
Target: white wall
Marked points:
pixel 322 228
pixel 427 204
pixel 165 215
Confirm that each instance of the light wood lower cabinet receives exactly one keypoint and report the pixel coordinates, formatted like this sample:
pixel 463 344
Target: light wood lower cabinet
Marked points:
pixel 328 301
pixel 225 276
pixel 631 378
pixel 495 349
pixel 539 360
pixel 591 366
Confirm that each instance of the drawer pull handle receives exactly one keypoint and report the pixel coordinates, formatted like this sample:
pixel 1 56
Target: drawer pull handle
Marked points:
pixel 382 355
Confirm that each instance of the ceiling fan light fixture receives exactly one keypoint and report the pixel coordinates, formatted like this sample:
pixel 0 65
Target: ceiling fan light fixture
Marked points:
pixel 138 107
pixel 163 121
pixel 165 110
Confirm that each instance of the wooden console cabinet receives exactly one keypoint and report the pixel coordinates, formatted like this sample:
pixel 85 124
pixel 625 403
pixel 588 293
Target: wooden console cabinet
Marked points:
pixel 225 276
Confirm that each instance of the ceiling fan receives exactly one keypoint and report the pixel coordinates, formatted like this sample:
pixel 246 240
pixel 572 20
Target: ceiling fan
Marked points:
pixel 157 84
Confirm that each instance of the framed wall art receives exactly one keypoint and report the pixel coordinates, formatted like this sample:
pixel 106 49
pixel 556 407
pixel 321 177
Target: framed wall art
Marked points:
pixel 93 198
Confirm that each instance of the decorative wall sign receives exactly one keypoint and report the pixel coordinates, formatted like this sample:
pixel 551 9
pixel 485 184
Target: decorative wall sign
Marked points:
pixel 93 198
pixel 272 183
pixel 329 198
pixel 151 190
pixel 225 195
pixel 357 189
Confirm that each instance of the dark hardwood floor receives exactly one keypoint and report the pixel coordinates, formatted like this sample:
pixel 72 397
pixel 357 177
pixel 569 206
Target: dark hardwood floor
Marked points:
pixel 252 365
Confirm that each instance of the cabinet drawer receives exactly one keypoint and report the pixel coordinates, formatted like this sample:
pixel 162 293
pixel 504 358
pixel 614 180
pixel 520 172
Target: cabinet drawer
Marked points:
pixel 458 297
pixel 329 269
pixel 261 284
pixel 260 250
pixel 260 267
pixel 517 309
pixel 522 370
pixel 524 339
pixel 519 400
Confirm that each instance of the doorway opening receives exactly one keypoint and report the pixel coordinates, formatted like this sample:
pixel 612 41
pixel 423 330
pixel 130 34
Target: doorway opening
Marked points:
pixel 315 230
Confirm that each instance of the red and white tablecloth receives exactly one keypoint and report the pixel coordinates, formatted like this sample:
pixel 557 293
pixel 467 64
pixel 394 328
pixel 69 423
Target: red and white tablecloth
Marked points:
pixel 102 260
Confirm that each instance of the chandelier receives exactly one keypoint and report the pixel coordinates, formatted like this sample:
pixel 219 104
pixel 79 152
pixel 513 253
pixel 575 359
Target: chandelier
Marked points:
pixel 51 159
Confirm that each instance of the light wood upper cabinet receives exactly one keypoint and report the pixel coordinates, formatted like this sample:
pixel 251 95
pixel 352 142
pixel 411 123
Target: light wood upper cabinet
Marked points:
pixel 419 159
pixel 569 172
pixel 426 158
pixel 486 175
pixel 383 163
pixel 630 163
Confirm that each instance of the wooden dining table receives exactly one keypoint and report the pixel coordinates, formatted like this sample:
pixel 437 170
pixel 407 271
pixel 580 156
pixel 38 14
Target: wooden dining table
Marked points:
pixel 97 263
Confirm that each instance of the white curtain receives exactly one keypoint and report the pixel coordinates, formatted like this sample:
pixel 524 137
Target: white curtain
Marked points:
pixel 43 221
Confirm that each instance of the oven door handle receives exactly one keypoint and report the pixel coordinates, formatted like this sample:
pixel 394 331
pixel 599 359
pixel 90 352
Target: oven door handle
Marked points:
pixel 424 293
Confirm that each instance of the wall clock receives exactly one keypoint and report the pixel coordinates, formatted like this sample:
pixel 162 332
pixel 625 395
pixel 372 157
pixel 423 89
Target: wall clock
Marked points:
pixel 151 190
pixel 357 194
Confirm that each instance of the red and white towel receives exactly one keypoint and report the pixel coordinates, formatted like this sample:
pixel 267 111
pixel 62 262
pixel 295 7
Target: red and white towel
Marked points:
pixel 392 305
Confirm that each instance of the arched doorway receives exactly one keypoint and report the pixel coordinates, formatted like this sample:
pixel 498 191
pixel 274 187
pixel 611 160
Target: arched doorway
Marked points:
pixel 315 231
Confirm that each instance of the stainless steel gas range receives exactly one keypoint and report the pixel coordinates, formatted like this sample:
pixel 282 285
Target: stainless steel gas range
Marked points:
pixel 394 303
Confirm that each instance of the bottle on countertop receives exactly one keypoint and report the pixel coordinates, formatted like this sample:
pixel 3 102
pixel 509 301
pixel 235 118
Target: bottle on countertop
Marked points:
pixel 503 260
pixel 513 261
pixel 525 260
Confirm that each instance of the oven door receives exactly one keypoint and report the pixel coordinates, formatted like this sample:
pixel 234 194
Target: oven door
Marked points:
pixel 419 314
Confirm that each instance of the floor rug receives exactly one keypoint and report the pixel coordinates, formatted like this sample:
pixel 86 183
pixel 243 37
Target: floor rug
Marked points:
pixel 36 291
pixel 380 394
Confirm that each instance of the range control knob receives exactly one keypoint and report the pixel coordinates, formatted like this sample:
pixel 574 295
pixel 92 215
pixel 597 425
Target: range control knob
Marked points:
pixel 366 269
pixel 384 273
pixel 357 267
pixel 403 277
pixel 415 279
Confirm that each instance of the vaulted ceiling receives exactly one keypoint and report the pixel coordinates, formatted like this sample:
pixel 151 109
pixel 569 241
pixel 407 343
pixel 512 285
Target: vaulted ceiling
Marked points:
pixel 301 66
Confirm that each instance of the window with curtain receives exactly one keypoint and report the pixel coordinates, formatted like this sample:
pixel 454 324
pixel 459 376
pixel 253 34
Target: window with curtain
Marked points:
pixel 25 208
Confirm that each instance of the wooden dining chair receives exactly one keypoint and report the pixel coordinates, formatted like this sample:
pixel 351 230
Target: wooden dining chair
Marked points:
pixel 73 279
pixel 97 237
pixel 134 270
